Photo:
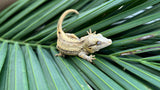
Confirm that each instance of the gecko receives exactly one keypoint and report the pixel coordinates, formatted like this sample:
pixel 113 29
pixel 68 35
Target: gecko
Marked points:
pixel 70 44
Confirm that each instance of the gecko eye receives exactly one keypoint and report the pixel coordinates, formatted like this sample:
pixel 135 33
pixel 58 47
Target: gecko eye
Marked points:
pixel 98 42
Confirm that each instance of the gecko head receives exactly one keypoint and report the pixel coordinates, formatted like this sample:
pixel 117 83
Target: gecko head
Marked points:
pixel 95 42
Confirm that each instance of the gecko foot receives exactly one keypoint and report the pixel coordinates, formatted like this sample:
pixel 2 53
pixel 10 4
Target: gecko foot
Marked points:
pixel 91 57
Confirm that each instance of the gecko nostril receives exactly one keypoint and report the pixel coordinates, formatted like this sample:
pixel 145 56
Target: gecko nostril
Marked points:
pixel 110 41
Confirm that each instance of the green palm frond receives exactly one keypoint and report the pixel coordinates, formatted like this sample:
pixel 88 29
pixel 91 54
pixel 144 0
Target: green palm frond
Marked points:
pixel 28 45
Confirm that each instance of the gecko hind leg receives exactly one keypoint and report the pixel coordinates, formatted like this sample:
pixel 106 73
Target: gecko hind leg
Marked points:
pixel 60 54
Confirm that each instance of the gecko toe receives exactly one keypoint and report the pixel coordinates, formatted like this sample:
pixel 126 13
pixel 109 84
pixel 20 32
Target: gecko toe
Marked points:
pixel 92 57
pixel 60 54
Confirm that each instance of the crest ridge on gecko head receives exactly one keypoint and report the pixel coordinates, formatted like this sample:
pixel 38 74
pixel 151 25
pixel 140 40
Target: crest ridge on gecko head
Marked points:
pixel 95 42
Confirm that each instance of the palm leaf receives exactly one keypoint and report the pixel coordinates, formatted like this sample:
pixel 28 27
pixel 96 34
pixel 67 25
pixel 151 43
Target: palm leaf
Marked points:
pixel 28 45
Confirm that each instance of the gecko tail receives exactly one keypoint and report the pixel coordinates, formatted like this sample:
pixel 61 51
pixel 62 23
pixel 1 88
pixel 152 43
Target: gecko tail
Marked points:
pixel 60 21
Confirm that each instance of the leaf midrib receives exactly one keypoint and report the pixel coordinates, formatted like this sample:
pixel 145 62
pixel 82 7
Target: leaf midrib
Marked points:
pixel 24 43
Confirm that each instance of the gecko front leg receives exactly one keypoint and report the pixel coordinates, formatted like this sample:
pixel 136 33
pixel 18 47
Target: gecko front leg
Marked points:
pixel 86 57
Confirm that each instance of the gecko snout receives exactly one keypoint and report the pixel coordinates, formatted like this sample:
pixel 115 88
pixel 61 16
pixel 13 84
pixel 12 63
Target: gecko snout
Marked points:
pixel 110 41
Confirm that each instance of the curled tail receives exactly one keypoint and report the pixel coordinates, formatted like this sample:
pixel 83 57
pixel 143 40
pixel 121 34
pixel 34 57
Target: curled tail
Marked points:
pixel 60 21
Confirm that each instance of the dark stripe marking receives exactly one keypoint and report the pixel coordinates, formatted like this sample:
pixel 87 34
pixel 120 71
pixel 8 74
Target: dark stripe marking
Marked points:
pixel 67 51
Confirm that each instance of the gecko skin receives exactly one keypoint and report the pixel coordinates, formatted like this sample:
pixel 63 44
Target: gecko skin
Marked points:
pixel 70 44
